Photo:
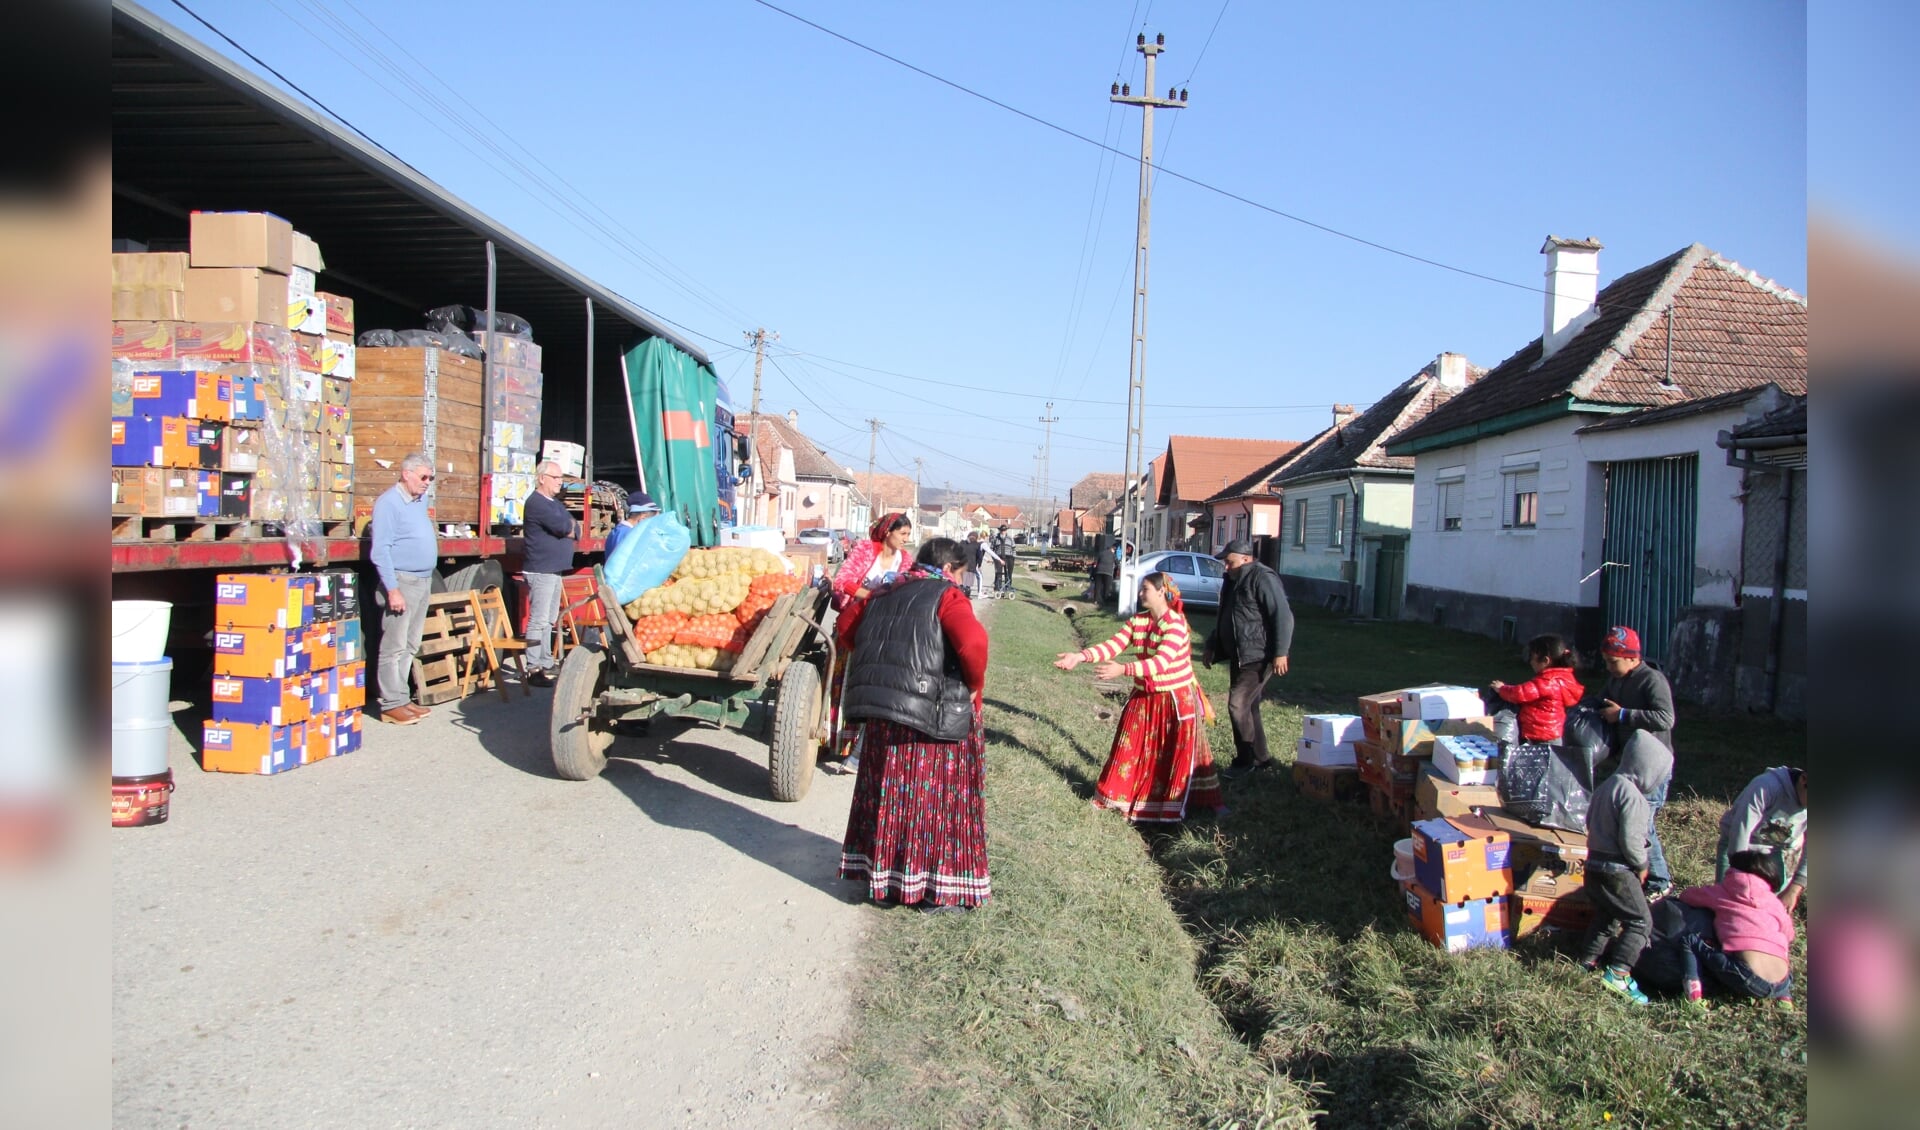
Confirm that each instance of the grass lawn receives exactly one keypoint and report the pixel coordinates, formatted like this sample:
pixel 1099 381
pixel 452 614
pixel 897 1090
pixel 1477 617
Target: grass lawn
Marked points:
pixel 1258 971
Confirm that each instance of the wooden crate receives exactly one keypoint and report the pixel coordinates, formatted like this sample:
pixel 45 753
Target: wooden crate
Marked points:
pixel 425 400
pixel 446 643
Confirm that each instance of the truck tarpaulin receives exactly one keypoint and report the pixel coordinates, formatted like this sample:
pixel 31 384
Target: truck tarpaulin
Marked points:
pixel 672 399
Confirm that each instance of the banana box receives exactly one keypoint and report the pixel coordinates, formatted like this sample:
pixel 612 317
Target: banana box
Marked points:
pixel 306 311
pixel 242 448
pixel 262 600
pixel 1458 926
pixel 232 342
pixel 167 441
pixel 272 702
pixel 206 494
pixel 1462 857
pixel 144 341
pixel 351 647
pixel 306 352
pixel 339 313
pixel 252 747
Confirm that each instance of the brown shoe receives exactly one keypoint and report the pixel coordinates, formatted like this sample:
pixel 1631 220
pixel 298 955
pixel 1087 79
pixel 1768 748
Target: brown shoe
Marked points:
pixel 418 710
pixel 403 715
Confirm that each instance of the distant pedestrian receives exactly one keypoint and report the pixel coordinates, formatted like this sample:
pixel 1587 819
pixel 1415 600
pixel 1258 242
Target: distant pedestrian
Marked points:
pixel 549 531
pixel 1106 569
pixel 989 556
pixel 403 550
pixel 1159 765
pixel 1618 821
pixel 1638 698
pixel 1252 635
pixel 1543 699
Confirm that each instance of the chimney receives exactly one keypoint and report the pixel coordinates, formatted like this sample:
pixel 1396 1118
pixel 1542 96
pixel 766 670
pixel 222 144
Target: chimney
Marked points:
pixel 1573 278
pixel 1450 369
pixel 1343 413
pixel 793 418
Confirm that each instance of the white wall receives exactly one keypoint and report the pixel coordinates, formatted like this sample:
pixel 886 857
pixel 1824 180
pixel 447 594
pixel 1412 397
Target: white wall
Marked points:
pixel 1386 506
pixel 1544 563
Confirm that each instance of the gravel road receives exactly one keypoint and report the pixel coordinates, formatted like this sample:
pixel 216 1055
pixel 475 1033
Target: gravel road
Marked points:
pixel 436 931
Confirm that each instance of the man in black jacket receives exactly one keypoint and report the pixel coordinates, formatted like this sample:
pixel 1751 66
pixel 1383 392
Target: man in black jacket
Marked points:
pixel 550 532
pixel 1253 634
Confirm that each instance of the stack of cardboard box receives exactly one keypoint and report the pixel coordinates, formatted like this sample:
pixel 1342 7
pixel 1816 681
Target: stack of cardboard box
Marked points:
pixel 283 693
pixel 1325 762
pixel 513 398
pixel 1460 895
pixel 1400 729
pixel 227 363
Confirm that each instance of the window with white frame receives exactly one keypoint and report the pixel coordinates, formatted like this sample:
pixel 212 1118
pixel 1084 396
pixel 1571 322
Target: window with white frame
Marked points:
pixel 1239 525
pixel 1520 498
pixel 1337 523
pixel 1300 523
pixel 1220 530
pixel 1453 501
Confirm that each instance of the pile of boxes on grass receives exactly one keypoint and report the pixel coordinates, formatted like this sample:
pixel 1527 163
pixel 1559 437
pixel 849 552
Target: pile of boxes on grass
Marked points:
pixel 289 671
pixel 1471 873
pixel 230 379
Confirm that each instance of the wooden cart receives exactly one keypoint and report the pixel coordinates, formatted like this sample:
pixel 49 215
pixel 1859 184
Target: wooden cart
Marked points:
pixel 786 660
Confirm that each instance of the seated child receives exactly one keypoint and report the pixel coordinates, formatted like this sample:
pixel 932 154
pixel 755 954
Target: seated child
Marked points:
pixel 1543 699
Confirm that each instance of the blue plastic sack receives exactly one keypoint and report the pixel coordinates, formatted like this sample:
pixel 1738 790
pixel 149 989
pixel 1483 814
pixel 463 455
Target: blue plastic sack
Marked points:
pixel 647 556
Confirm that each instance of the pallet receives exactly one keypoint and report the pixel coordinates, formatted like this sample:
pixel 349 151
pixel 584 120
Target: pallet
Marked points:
pixel 444 650
pixel 138 527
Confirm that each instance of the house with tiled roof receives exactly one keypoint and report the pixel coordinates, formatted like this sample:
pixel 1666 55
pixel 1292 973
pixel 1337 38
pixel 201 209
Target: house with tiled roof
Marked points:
pixel 1530 516
pixel 822 489
pixel 1345 507
pixel 1094 487
pixel 769 500
pixel 1194 469
pixel 886 494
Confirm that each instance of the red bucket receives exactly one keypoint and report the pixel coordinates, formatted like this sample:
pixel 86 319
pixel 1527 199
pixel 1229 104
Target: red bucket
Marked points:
pixel 138 801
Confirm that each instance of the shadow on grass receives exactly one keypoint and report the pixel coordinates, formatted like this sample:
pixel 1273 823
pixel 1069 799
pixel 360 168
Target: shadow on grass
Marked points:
pixel 1073 770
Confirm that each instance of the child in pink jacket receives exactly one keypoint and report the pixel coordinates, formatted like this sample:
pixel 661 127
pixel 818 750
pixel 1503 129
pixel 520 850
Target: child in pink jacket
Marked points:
pixel 1543 699
pixel 1755 931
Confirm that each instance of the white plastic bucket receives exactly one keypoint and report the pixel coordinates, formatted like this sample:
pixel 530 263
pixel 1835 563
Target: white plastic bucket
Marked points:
pixel 141 720
pixel 1403 859
pixel 140 630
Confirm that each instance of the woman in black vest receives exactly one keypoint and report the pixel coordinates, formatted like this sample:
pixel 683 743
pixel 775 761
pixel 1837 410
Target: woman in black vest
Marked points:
pixel 917 832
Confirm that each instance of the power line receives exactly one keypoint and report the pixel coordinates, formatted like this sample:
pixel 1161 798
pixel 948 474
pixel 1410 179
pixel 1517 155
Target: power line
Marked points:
pixel 1197 183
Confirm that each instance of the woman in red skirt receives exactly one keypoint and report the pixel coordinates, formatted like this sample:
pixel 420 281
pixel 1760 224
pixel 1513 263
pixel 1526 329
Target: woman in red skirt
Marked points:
pixel 917 831
pixel 1160 762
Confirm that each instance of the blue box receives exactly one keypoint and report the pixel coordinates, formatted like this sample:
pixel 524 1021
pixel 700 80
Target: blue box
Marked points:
pixel 209 494
pixel 1472 924
pixel 190 393
pixel 349 646
pixel 136 441
pixel 275 702
pixel 248 403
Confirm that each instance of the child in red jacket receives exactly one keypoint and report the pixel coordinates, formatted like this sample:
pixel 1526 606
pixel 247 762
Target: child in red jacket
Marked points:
pixel 1543 699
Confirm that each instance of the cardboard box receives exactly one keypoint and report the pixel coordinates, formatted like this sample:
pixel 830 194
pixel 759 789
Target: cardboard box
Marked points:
pixel 509 349
pixel 336 421
pixel 322 655
pixel 241 451
pixel 339 314
pixel 349 724
pixel 207 494
pixel 1458 926
pixel 258 653
pixel 336 478
pixel 336 357
pixel 273 702
pixel 334 392
pixel 144 340
pixel 352 680
pixel 1378 763
pixel 509 435
pixel 254 343
pixel 143 441
pixel 1319 753
pixel 187 393
pixel 1394 805
pixel 1332 729
pixel 1537 848
pixel 240 239
pixel 1572 911
pixel 1414 737
pixel 261 600
pixel 1462 857
pixel 236 294
pixel 521 409
pixel 350 647
pixel 1441 702
pixel 337 506
pixel 157 492
pixel 1467 759
pixel 306 313
pixel 1434 795
pixel 321 737
pixel 252 747
pixel 346 592
pixel 306 253
pixel 1328 783
pixel 269 503
pixel 249 406
pixel 306 353
pixel 236 493
pixel 335 448
pixel 571 456
pixel 150 286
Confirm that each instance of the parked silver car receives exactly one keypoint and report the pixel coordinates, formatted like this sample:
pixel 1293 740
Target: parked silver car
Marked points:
pixel 1197 575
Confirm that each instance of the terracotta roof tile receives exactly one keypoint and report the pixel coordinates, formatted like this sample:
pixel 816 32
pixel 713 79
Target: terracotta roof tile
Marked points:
pixel 1198 467
pixel 885 493
pixel 1360 443
pixel 1094 487
pixel 809 462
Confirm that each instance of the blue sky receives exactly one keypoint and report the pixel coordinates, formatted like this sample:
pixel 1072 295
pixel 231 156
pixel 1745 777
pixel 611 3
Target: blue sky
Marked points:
pixel 943 265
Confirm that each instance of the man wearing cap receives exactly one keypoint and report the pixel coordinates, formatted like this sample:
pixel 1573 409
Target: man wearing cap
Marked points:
pixel 1253 633
pixel 1638 697
pixel 640 507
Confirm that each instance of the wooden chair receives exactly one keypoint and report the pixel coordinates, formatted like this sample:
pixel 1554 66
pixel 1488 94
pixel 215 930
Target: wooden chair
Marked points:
pixel 446 636
pixel 495 639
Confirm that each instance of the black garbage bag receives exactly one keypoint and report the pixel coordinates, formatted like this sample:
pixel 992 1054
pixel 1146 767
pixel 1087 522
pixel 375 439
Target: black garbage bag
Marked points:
pixel 469 318
pixel 447 338
pixel 379 339
pixel 1547 785
pixel 1586 729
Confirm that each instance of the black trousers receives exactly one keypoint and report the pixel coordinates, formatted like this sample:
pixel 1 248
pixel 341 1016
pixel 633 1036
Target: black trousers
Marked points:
pixel 1618 901
pixel 1243 708
pixel 1102 588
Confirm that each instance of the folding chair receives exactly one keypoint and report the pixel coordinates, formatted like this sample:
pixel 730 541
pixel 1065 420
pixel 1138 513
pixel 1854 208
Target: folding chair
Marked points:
pixel 494 636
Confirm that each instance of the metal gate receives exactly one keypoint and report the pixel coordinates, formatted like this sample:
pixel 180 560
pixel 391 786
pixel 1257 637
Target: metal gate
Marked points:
pixel 1652 514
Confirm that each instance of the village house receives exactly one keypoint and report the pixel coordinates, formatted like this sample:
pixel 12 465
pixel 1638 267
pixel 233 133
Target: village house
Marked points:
pixel 1193 470
pixel 771 499
pixel 822 489
pixel 1529 517
pixel 886 494
pixel 1090 504
pixel 1344 507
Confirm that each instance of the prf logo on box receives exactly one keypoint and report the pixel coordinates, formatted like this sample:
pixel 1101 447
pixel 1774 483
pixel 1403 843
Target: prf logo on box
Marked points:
pixel 230 592
pixel 228 690
pixel 219 739
pixel 146 388
pixel 230 641
pixel 119 433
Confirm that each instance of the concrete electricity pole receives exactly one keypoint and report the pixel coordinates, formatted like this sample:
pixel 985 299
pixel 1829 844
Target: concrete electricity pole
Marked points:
pixel 759 337
pixel 919 469
pixel 873 438
pixel 1135 505
pixel 1046 458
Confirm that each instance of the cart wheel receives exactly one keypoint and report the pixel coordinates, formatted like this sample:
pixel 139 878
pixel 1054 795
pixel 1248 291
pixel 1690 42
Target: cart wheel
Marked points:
pixel 579 744
pixel 796 731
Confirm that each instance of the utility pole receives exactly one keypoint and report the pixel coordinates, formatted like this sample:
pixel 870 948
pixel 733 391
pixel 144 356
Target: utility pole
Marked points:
pixel 873 438
pixel 1135 505
pixel 919 469
pixel 1046 458
pixel 759 338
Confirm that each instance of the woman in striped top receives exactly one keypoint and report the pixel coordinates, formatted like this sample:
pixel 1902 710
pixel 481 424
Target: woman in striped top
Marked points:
pixel 1160 762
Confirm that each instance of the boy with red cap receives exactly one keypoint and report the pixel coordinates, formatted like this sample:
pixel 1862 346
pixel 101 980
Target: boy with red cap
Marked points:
pixel 1638 697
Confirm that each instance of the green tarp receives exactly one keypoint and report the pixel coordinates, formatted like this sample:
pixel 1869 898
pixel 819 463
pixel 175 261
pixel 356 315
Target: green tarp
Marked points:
pixel 672 397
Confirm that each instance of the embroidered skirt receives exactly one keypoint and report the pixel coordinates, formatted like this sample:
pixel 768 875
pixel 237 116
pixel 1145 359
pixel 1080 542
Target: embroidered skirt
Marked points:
pixel 917 831
pixel 1160 761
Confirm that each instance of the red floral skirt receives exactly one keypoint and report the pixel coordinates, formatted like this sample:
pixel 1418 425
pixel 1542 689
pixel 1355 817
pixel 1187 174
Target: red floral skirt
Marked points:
pixel 917 831
pixel 1160 761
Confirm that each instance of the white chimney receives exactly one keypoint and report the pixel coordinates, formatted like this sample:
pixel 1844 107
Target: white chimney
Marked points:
pixel 1343 414
pixel 1573 279
pixel 1450 369
pixel 793 417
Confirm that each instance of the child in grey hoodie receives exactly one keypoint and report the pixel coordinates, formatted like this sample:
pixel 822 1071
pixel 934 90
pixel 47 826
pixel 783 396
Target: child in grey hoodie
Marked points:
pixel 1619 820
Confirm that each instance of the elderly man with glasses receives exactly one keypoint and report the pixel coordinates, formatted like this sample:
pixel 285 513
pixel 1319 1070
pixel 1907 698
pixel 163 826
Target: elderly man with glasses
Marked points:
pixel 403 552
pixel 550 533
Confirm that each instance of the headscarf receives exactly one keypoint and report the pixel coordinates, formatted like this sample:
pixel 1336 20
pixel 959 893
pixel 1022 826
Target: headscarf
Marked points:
pixel 1165 585
pixel 884 526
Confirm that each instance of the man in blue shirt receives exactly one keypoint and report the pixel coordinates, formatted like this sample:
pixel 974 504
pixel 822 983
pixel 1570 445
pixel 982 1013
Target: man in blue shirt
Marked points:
pixel 640 507
pixel 549 531
pixel 403 552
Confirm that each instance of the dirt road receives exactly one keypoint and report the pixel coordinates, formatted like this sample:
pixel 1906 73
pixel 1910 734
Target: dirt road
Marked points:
pixel 435 931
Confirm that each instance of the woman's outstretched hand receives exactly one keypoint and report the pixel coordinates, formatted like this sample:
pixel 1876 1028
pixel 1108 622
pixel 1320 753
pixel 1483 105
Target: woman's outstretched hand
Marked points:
pixel 1068 660
pixel 1110 670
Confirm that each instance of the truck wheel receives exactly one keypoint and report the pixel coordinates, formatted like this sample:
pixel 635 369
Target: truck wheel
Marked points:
pixel 579 741
pixel 796 731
